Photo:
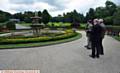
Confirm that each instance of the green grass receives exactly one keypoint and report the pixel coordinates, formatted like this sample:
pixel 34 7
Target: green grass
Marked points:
pixel 83 25
pixel 1 32
pixel 58 24
pixel 117 38
pixel 11 46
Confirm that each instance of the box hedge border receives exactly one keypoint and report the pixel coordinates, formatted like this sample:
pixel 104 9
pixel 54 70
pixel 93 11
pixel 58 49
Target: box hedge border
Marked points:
pixel 36 39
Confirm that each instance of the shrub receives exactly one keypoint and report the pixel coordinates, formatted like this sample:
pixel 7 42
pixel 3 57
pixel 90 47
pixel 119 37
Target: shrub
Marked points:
pixel 108 20
pixel 69 31
pixel 11 25
pixel 113 30
pixel 36 39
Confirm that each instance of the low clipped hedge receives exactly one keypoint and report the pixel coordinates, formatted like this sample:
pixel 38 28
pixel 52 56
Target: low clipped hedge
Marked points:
pixel 36 39
pixel 113 30
pixel 24 37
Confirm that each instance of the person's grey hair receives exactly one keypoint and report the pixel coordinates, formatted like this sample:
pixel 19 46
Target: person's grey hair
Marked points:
pixel 95 20
pixel 101 20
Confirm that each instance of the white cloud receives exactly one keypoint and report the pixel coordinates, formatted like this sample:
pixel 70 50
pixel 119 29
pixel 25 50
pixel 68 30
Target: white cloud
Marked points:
pixel 81 6
pixel 43 5
pixel 32 7
pixel 4 5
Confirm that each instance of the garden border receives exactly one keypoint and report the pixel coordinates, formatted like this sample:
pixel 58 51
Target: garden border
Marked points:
pixel 29 45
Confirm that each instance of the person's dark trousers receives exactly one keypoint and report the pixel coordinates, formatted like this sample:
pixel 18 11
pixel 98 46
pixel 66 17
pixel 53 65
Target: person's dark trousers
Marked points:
pixel 98 48
pixel 101 47
pixel 95 48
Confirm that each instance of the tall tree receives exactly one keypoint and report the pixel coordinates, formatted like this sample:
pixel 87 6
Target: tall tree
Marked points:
pixel 101 12
pixel 90 14
pixel 4 16
pixel 73 16
pixel 19 16
pixel 45 17
pixel 27 16
pixel 116 17
pixel 111 7
pixel 40 15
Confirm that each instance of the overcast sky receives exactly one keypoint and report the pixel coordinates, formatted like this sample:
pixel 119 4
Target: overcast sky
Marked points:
pixel 54 7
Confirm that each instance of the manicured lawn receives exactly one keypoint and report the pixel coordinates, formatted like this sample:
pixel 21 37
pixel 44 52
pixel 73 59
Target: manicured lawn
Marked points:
pixel 59 24
pixel 82 26
pixel 49 24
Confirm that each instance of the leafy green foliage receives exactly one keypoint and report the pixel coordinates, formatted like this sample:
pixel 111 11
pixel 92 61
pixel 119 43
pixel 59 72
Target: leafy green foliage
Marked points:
pixel 116 17
pixel 108 20
pixel 111 7
pixel 11 25
pixel 4 16
pixel 5 46
pixel 117 38
pixel 90 14
pixel 74 16
pixel 45 17
pixel 35 39
pixel 101 12
pixel 110 13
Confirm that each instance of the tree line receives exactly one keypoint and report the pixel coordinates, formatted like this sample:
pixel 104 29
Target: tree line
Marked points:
pixel 110 13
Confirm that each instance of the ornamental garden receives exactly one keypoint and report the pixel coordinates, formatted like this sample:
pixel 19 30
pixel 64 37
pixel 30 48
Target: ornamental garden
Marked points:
pixel 15 35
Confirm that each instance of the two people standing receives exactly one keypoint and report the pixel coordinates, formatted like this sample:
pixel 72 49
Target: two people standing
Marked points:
pixel 95 36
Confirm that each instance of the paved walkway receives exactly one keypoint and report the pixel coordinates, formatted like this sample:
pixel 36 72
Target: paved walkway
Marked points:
pixel 69 57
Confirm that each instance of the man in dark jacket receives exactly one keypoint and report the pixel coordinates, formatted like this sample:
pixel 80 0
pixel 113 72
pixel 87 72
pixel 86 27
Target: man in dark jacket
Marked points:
pixel 101 23
pixel 95 39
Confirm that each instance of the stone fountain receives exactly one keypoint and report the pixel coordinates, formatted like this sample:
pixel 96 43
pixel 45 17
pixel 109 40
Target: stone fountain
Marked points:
pixel 36 26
